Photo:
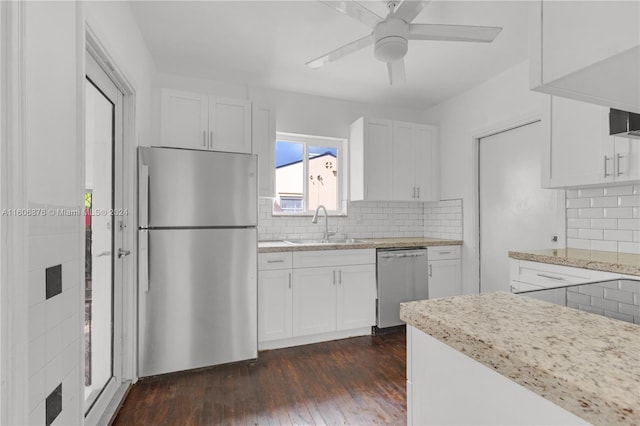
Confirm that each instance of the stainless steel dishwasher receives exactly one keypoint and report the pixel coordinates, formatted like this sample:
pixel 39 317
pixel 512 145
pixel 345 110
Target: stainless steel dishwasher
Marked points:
pixel 402 277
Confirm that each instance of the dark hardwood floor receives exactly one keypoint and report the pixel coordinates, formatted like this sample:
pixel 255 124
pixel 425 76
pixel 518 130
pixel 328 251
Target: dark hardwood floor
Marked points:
pixel 360 381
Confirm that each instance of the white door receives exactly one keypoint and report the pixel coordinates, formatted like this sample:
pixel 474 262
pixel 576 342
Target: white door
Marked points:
pixel 314 300
pixel 230 125
pixel 356 296
pixel 184 120
pixel 515 213
pixel 104 202
pixel 377 159
pixel 274 305
pixel 444 278
pixel 404 188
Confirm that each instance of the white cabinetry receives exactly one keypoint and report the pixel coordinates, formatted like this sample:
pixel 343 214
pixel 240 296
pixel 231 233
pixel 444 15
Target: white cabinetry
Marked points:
pixel 526 275
pixel 197 121
pixel 415 168
pixel 393 160
pixel 578 149
pixel 446 387
pixel 315 296
pixel 444 271
pixel 587 50
pixel 274 296
pixel 263 121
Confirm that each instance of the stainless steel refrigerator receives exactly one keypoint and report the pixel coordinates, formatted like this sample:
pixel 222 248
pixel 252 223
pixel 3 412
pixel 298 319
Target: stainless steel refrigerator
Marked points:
pixel 197 259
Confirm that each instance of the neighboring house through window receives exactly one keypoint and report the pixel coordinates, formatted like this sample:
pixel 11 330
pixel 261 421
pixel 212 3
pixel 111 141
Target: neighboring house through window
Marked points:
pixel 309 173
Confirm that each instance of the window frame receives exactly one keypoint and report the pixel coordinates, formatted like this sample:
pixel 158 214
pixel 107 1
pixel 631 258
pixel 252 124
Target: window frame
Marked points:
pixel 342 185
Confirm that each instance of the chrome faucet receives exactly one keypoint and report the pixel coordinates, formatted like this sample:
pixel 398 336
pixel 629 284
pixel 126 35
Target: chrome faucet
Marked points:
pixel 326 221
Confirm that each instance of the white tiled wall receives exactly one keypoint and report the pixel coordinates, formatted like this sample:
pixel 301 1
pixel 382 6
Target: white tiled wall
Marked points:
pixel 443 219
pixel 368 219
pixel 604 218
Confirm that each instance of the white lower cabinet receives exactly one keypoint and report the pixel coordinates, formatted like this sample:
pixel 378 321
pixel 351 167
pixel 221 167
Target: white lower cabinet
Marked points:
pixel 274 304
pixel 315 295
pixel 445 271
pixel 314 301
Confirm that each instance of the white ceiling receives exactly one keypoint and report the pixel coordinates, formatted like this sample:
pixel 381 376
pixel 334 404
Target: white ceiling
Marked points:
pixel 267 43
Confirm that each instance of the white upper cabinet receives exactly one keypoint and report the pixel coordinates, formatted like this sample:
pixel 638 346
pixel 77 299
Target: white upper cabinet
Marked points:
pixel 230 125
pixel 370 159
pixel 587 50
pixel 578 149
pixel 184 120
pixel 263 118
pixel 392 160
pixel 197 121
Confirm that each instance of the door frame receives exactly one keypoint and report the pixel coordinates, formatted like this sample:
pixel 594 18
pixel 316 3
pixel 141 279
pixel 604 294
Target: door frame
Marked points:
pixel 500 127
pixel 103 410
pixel 14 246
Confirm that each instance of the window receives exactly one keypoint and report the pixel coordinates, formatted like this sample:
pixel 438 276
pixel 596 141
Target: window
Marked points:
pixel 309 173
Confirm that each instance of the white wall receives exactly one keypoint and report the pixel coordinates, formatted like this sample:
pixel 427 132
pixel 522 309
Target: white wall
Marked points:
pixel 493 104
pixel 54 58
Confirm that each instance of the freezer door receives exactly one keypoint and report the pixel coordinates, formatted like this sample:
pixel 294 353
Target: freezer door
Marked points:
pixel 402 277
pixel 199 306
pixel 189 188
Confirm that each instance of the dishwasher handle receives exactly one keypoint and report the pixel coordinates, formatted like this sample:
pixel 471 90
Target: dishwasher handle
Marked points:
pixel 392 255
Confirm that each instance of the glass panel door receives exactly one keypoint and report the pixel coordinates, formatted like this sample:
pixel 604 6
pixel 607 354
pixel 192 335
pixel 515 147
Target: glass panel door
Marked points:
pixel 103 236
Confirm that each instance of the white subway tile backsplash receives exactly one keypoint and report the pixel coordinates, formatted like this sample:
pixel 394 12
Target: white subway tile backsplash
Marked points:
pixel 626 247
pixel 632 224
pixel 591 213
pixel 590 234
pixel 618 190
pixel 572 193
pixel 602 224
pixel 618 213
pixel 576 203
pixel 604 202
pixel 590 192
pixel 578 243
pixel 619 295
pixel 629 201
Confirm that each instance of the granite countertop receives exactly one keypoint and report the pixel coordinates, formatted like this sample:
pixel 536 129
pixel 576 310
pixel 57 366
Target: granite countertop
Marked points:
pixel 364 243
pixel 587 364
pixel 607 261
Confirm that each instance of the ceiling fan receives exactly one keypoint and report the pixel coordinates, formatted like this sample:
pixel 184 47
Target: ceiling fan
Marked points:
pixel 391 35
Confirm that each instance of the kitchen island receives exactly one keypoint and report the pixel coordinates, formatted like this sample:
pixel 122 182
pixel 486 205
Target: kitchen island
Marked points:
pixel 503 358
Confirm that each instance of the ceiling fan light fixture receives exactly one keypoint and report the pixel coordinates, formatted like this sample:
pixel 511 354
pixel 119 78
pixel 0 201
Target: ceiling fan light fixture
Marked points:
pixel 390 49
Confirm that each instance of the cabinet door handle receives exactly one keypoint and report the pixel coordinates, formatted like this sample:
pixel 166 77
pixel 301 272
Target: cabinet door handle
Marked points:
pixel 414 192
pixel 275 261
pixel 551 277
pixel 418 193
pixel 334 277
pixel 339 276
pixel 204 138
pixel 606 175
pixel 211 139
pixel 445 252
pixel 618 158
pixel 289 279
pixel 431 270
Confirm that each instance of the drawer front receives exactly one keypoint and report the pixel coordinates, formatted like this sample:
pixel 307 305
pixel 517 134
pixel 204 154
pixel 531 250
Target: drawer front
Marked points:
pixel 312 259
pixel 443 252
pixel 271 261
pixel 547 275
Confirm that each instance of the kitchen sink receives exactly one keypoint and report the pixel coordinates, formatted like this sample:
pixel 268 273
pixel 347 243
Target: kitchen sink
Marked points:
pixel 324 242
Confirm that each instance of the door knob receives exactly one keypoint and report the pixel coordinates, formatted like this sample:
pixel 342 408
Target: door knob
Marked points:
pixel 123 252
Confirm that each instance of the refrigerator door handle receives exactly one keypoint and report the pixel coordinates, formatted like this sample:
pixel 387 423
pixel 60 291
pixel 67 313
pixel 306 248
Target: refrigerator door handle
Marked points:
pixel 144 273
pixel 143 190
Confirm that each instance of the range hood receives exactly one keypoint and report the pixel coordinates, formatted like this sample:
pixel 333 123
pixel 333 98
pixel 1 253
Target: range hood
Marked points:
pixel 623 123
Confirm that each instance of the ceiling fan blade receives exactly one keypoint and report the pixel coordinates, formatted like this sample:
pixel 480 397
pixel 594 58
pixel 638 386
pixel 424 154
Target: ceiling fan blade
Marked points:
pixel 356 11
pixel 409 9
pixel 396 72
pixel 341 51
pixel 453 32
